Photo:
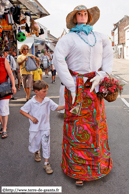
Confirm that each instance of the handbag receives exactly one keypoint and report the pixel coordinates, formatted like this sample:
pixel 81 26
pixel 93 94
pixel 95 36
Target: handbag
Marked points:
pixel 5 89
pixel 30 64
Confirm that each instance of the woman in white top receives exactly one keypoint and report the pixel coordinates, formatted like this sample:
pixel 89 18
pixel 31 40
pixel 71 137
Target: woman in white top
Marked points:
pixel 85 151
pixel 46 58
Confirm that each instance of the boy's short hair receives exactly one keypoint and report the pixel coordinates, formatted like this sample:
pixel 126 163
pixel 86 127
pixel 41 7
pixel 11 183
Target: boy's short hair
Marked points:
pixel 39 85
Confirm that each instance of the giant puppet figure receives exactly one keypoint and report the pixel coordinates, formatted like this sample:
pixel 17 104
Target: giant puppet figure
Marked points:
pixel 85 150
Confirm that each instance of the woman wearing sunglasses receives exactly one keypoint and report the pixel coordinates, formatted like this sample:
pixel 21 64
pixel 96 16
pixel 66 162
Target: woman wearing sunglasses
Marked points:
pixel 26 75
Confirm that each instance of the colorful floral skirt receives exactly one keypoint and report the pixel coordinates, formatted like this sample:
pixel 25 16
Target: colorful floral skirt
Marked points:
pixel 85 150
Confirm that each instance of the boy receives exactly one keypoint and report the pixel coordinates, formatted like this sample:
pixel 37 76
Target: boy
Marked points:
pixel 37 110
pixel 37 74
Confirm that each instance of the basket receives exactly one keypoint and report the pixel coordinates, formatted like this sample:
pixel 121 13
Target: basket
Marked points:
pixel 111 97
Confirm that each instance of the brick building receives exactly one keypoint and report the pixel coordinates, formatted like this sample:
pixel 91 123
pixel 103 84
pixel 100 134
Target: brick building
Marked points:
pixel 120 39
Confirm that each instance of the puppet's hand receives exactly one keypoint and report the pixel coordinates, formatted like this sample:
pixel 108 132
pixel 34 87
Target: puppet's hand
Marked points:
pixel 95 81
pixel 73 94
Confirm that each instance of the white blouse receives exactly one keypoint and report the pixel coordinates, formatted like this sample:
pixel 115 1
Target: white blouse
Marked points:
pixel 81 57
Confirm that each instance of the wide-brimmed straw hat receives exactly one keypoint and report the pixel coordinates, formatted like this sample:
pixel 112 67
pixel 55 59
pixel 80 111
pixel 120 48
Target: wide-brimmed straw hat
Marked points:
pixel 93 16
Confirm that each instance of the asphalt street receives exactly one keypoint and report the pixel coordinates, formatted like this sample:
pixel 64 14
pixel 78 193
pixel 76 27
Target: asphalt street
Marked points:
pixel 17 165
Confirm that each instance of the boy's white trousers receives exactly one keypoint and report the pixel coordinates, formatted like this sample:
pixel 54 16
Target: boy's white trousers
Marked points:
pixel 36 139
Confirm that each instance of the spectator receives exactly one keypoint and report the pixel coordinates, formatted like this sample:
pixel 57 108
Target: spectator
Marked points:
pixel 11 60
pixel 37 74
pixel 38 54
pixel 45 59
pixel 26 75
pixel 5 71
pixel 0 123
pixel 12 63
pixel 18 76
pixel 38 111
pixel 53 71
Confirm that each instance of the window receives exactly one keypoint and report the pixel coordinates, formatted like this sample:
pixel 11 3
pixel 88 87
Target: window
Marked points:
pixel 127 34
pixel 127 51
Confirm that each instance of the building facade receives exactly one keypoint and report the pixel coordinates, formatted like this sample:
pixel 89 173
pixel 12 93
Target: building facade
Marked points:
pixel 120 38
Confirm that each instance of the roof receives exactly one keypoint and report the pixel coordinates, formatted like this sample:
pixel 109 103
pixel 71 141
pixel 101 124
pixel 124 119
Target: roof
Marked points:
pixel 116 25
pixel 33 6
pixel 51 37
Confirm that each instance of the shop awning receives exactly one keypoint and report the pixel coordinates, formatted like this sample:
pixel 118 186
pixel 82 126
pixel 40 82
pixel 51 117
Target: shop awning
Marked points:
pixel 39 41
pixel 29 41
pixel 50 46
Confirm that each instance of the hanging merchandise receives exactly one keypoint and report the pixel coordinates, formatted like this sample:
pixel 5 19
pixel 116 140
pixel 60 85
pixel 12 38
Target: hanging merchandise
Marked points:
pixel 1 29
pixel 8 16
pixel 14 29
pixel 8 40
pixel 1 9
pixel 3 4
pixel 22 20
pixel 41 31
pixel 20 36
pixel 27 26
pixel 5 25
pixel 16 14
pixel 34 27
pixel 5 40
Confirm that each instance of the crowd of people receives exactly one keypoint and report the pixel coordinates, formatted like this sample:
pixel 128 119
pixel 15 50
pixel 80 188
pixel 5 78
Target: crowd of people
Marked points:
pixel 24 78
pixel 81 58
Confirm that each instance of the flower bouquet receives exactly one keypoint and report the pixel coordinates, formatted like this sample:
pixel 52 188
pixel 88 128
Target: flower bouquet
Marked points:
pixel 109 89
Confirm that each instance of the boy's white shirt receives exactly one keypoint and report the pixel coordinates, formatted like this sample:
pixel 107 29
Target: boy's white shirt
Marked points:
pixel 40 111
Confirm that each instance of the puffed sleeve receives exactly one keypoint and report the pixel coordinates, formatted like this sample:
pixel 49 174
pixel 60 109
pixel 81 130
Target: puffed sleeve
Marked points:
pixel 107 57
pixel 62 49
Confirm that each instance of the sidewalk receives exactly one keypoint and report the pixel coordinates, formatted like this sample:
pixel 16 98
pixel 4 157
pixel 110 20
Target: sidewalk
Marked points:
pixel 121 68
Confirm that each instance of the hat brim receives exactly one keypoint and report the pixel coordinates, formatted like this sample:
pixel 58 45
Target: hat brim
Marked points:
pixel 94 12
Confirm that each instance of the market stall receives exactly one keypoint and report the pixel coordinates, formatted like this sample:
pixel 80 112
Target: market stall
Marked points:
pixel 17 21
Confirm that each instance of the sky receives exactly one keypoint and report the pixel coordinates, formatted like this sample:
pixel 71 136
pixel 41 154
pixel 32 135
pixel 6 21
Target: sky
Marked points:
pixel 111 11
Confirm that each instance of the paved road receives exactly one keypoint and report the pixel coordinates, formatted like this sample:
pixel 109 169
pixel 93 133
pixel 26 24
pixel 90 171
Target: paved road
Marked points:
pixel 17 165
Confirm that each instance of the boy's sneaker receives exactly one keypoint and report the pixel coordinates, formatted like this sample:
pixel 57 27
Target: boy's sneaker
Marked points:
pixel 37 156
pixel 48 169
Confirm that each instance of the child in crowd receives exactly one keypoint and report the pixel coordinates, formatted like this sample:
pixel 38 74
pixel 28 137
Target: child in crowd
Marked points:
pixel 37 110
pixel 37 74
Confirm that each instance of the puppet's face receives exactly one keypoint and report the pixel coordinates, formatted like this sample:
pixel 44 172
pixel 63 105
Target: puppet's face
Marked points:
pixel 82 17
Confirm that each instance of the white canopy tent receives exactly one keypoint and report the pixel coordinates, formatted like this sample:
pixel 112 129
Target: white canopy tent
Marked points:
pixel 30 41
